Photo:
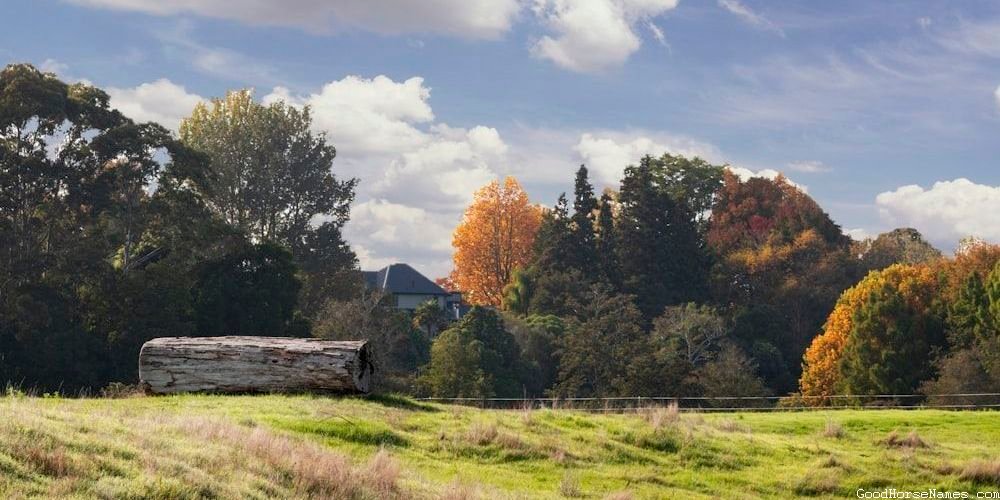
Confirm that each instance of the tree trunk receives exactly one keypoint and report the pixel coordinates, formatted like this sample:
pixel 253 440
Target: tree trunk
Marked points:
pixel 254 364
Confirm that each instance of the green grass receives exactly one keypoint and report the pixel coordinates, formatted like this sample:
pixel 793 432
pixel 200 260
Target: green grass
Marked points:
pixel 389 447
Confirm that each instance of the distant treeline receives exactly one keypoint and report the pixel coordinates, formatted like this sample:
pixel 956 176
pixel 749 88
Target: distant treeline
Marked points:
pixel 687 280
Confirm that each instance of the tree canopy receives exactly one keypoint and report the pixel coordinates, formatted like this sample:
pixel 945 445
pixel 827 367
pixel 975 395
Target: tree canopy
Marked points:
pixel 494 239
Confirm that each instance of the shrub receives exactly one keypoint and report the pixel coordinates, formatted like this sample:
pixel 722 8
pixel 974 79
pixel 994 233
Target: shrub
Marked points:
pixel 662 416
pixel 911 440
pixel 833 430
pixel 982 472
pixel 569 487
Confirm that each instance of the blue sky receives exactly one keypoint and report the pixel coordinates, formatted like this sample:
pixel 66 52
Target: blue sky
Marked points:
pixel 888 113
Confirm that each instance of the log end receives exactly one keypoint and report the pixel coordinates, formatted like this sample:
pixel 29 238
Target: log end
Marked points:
pixel 364 369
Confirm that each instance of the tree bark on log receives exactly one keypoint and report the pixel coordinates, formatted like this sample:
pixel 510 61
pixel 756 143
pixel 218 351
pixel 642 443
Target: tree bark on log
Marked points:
pixel 254 364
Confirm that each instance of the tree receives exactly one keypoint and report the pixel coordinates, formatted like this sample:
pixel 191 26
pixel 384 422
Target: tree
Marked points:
pixel 430 317
pixel 917 287
pixel 695 330
pixel 760 331
pixel 689 181
pixel 494 238
pixel 731 373
pixel 582 244
pixel 272 178
pixel 888 346
pixel 662 259
pixel 960 372
pixel 398 348
pixel 899 246
pixel 455 370
pixel 607 246
pixel 251 291
pixel 517 294
pixel 475 357
pixel 775 247
pixel 555 282
pixel 538 338
pixel 604 352
pixel 86 196
pixel 967 313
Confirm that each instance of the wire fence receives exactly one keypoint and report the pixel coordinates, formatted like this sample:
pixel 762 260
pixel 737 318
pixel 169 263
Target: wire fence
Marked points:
pixel 957 401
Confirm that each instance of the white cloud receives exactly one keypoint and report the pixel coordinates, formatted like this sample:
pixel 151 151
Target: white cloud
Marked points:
pixel 162 101
pixel 594 35
pixel 362 115
pixel 180 42
pixel 607 154
pixel 382 232
pixel 746 174
pixel 740 10
pixel 996 95
pixel 657 33
pixel 858 234
pixel 53 66
pixel 946 212
pixel 809 167
pixel 475 19
pixel 924 22
pixel 417 174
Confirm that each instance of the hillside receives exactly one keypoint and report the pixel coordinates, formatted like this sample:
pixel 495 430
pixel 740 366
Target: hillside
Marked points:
pixel 302 446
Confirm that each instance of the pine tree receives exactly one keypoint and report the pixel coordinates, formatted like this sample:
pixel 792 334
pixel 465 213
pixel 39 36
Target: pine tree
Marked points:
pixel 662 260
pixel 875 359
pixel 550 252
pixel 607 248
pixel 966 311
pixel 583 245
pixel 889 345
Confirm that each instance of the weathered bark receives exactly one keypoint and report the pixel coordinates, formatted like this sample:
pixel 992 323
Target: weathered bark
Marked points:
pixel 254 364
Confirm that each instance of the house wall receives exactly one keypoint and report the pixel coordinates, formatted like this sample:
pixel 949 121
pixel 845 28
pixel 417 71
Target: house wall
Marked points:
pixel 411 301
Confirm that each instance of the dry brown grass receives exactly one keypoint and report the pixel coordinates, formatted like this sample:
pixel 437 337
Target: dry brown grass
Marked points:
pixel 911 440
pixel 620 495
pixel 569 486
pixel 662 416
pixel 982 472
pixel 458 490
pixel 730 425
pixel 834 430
pixel 124 455
pixel 314 471
pixel 50 461
pixel 481 434
pixel 528 413
pixel 817 482
pixel 832 462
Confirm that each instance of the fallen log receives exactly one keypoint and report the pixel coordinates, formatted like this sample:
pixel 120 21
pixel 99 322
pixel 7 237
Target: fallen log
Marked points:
pixel 254 364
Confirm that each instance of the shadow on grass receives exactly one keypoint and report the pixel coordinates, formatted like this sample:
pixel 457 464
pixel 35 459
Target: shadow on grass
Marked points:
pixel 360 432
pixel 397 401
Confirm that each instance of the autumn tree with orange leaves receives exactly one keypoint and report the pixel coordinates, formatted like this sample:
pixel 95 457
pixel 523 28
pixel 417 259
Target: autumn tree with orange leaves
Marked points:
pixel 494 238
pixel 823 368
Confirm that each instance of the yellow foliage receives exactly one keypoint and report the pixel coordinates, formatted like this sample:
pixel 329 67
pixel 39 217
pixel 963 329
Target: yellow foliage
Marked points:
pixel 917 284
pixel 494 238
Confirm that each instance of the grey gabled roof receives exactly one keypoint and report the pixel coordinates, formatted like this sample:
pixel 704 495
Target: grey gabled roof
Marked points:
pixel 401 278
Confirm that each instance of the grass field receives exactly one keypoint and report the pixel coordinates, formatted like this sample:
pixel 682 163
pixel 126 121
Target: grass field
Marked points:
pixel 302 446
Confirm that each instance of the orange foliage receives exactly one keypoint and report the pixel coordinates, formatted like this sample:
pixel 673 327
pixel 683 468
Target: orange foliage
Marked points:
pixel 917 284
pixel 494 238
pixel 977 256
pixel 447 284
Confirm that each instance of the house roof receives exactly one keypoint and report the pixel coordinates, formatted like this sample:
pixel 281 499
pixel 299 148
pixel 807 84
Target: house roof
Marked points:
pixel 401 278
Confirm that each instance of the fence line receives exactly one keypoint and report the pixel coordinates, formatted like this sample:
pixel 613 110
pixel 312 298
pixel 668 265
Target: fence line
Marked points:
pixel 622 404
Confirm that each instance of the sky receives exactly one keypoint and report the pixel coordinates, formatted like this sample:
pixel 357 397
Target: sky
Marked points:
pixel 887 113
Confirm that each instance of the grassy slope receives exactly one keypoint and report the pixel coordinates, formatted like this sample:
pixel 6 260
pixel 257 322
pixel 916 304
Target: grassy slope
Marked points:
pixel 288 446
